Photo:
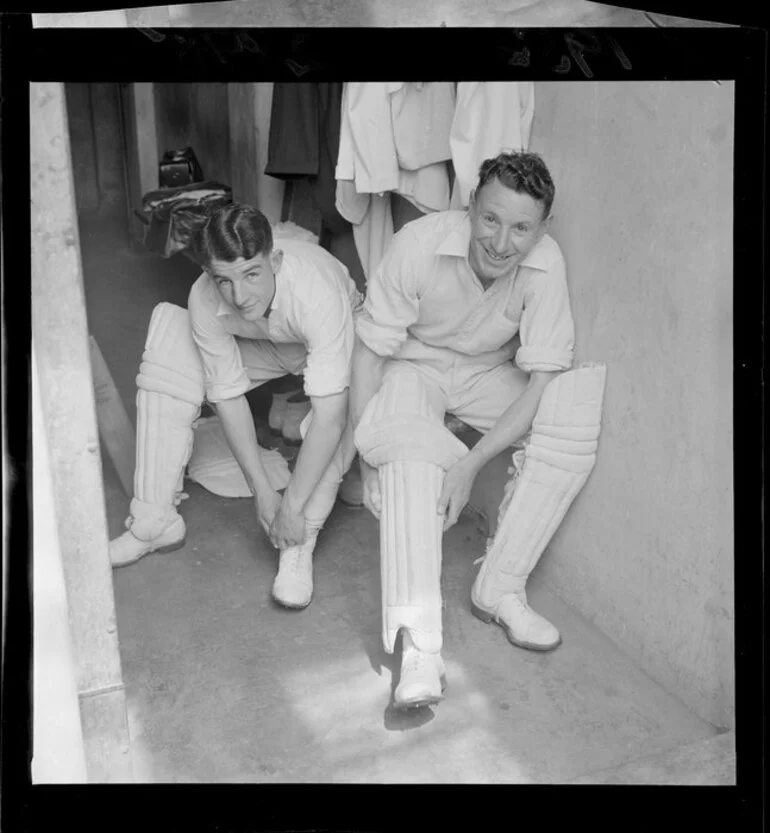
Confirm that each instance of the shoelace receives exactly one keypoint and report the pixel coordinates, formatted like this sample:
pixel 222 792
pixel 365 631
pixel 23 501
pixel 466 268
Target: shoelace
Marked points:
pixel 515 600
pixel 296 556
pixel 294 560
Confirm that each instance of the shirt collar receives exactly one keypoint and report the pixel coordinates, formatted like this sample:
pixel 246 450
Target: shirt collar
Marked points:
pixel 457 243
pixel 540 257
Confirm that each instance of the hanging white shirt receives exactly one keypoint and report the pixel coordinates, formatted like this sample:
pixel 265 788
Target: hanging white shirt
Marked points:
pixel 489 117
pixel 380 134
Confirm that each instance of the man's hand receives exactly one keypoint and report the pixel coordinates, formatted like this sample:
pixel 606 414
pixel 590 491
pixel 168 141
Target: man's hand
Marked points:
pixel 267 504
pixel 458 482
pixel 370 479
pixel 288 527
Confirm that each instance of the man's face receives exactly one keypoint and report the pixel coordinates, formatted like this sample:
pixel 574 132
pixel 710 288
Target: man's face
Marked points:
pixel 505 226
pixel 247 285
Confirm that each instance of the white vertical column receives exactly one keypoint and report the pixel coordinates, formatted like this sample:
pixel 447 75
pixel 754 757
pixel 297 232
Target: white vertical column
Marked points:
pixel 269 189
pixel 60 341
pixel 58 755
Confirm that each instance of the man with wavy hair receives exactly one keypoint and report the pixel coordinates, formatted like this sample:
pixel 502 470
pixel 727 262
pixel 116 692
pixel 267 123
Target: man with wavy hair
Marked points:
pixel 437 335
pixel 258 312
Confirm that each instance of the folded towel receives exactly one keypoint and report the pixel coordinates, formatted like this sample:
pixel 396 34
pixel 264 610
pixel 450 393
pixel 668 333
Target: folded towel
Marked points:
pixel 213 465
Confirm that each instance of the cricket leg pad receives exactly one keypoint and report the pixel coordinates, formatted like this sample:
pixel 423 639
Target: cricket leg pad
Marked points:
pixel 168 401
pixel 549 473
pixel 410 553
pixel 402 423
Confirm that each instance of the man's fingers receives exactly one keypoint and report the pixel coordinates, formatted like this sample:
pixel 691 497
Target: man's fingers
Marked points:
pixel 452 514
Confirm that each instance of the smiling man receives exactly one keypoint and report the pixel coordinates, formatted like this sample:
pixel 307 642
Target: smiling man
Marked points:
pixel 436 336
pixel 258 312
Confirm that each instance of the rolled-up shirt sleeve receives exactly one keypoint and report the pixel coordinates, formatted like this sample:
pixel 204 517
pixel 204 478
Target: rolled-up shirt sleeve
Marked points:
pixel 224 375
pixel 547 330
pixel 329 333
pixel 392 303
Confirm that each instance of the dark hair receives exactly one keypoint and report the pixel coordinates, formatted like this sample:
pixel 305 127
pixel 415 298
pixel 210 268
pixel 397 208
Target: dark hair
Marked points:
pixel 520 171
pixel 233 231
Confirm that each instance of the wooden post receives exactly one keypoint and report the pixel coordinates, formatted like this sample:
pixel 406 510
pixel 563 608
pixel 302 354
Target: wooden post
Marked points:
pixel 60 340
pixel 58 755
pixel 137 110
pixel 269 189
pixel 146 135
pixel 131 160
pixel 244 167
pixel 115 427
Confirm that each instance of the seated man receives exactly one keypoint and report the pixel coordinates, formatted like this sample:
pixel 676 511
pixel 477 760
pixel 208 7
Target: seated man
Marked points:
pixel 435 336
pixel 255 314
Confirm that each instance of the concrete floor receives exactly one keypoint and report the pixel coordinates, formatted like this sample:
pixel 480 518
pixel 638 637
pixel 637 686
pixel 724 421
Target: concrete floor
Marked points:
pixel 225 686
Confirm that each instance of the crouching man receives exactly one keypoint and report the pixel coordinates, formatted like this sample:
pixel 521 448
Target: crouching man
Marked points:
pixel 256 313
pixel 435 336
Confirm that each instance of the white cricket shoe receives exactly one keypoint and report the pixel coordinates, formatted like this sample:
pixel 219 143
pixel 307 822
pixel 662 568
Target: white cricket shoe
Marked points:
pixel 523 627
pixel 293 585
pixel 127 548
pixel 422 679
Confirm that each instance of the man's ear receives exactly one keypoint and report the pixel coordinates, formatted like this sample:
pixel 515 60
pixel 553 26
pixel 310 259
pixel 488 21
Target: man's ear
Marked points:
pixel 276 259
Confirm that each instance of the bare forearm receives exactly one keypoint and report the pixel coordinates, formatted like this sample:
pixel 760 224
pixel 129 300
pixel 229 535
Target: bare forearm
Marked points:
pixel 316 453
pixel 366 379
pixel 512 425
pixel 241 435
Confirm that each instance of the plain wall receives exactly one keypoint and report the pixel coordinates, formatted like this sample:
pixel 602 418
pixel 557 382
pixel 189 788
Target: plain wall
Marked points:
pixel 644 216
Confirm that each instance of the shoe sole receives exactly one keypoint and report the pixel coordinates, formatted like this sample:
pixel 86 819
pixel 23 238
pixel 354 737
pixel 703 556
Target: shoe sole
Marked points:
pixel 408 705
pixel 291 605
pixel 419 702
pixel 160 551
pixel 486 617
